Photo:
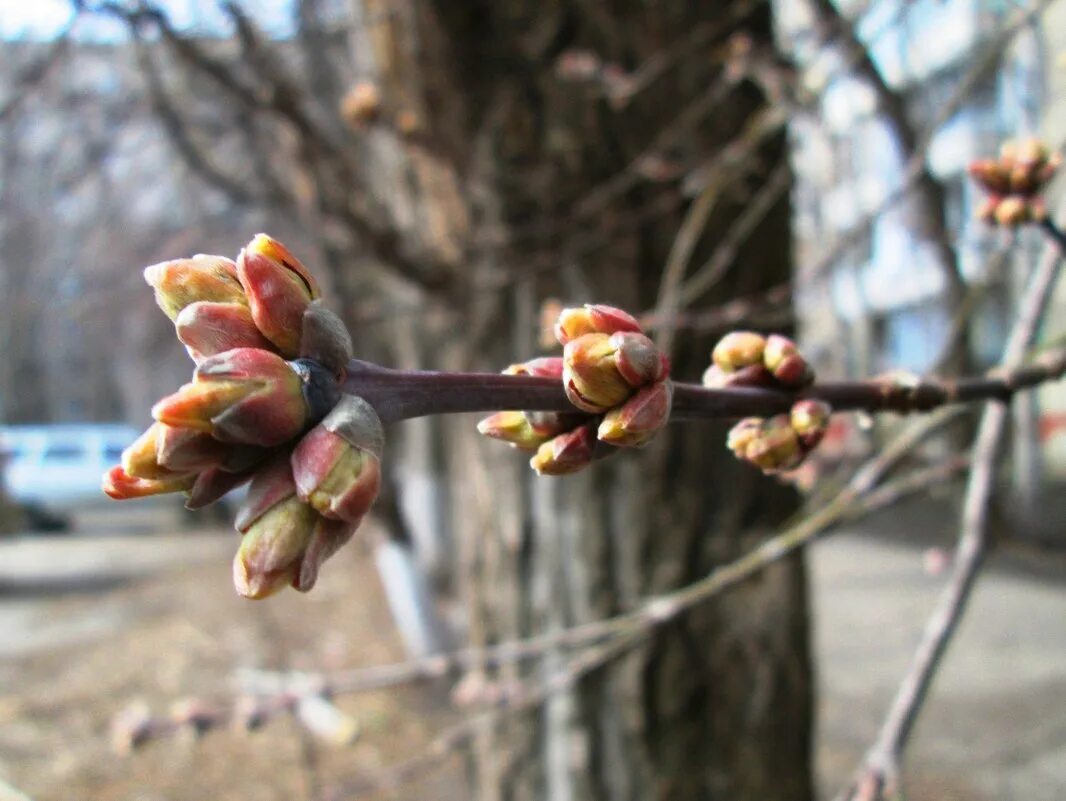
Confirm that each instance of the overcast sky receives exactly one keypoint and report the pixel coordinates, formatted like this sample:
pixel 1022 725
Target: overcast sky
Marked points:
pixel 43 19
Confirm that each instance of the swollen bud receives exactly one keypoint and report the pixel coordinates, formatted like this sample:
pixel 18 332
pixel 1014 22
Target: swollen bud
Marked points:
pixel 182 282
pixel 601 371
pixel 640 418
pixel 593 319
pixel 776 448
pixel 782 358
pixel 513 428
pixel 566 453
pixel 279 290
pixel 121 486
pixel 810 419
pixel 246 395
pixel 336 466
pixel 737 350
pixel 277 528
pixel 207 328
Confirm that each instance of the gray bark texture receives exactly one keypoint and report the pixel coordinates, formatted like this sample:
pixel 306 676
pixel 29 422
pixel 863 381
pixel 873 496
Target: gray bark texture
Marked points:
pixel 498 152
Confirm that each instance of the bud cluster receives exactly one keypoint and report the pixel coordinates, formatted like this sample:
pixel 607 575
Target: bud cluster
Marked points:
pixel 747 359
pixel 264 405
pixel 744 358
pixel 1014 181
pixel 782 442
pixel 610 371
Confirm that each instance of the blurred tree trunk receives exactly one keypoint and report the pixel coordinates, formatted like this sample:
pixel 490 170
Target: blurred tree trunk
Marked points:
pixel 497 151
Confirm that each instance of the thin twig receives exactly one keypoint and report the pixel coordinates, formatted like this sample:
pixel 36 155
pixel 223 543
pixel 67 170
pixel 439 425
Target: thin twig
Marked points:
pixel 880 776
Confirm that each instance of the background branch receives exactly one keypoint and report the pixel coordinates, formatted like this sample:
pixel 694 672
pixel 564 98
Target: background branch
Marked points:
pixel 881 775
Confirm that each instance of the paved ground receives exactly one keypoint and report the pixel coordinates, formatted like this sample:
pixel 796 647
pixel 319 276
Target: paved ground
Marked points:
pixel 81 632
pixel 995 725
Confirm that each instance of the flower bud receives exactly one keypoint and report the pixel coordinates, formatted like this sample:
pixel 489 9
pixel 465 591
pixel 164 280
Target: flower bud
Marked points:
pixel 601 371
pixel 782 358
pixel 181 282
pixel 1012 211
pixel 361 104
pixel 776 448
pixel 544 367
pixel 272 549
pixel 187 450
pixel 207 328
pixel 590 373
pixel 640 418
pixel 279 289
pixel 277 528
pixel 754 375
pixel 566 453
pixel 639 361
pixel 121 486
pixel 513 428
pixel 245 395
pixel 990 176
pixel 743 434
pixel 810 419
pixel 738 349
pixel 593 319
pixel 336 466
pixel 139 460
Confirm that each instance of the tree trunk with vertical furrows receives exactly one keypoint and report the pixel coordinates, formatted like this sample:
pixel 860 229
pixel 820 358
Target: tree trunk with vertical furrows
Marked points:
pixel 499 149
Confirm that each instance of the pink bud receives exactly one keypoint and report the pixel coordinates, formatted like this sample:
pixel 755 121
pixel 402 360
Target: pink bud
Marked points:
pixel 336 466
pixel 640 418
pixel 638 359
pixel 207 328
pixel 245 395
pixel 181 282
pixel 279 290
pixel 121 486
pixel 810 419
pixel 590 373
pixel 277 528
pixel 782 358
pixel 566 453
pixel 738 349
pixel 513 428
pixel 544 367
pixel 593 319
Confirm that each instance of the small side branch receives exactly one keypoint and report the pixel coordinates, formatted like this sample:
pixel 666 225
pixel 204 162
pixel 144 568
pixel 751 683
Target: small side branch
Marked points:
pixel 880 776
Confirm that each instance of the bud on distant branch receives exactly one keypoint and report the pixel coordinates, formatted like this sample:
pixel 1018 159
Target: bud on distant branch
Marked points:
pixel 1013 183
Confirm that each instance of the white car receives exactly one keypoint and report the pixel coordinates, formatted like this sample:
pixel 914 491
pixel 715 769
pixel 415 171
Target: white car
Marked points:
pixel 60 466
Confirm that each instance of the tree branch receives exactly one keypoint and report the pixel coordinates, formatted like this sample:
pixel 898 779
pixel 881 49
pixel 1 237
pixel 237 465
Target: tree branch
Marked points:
pixel 401 394
pixel 880 777
pixel 829 21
